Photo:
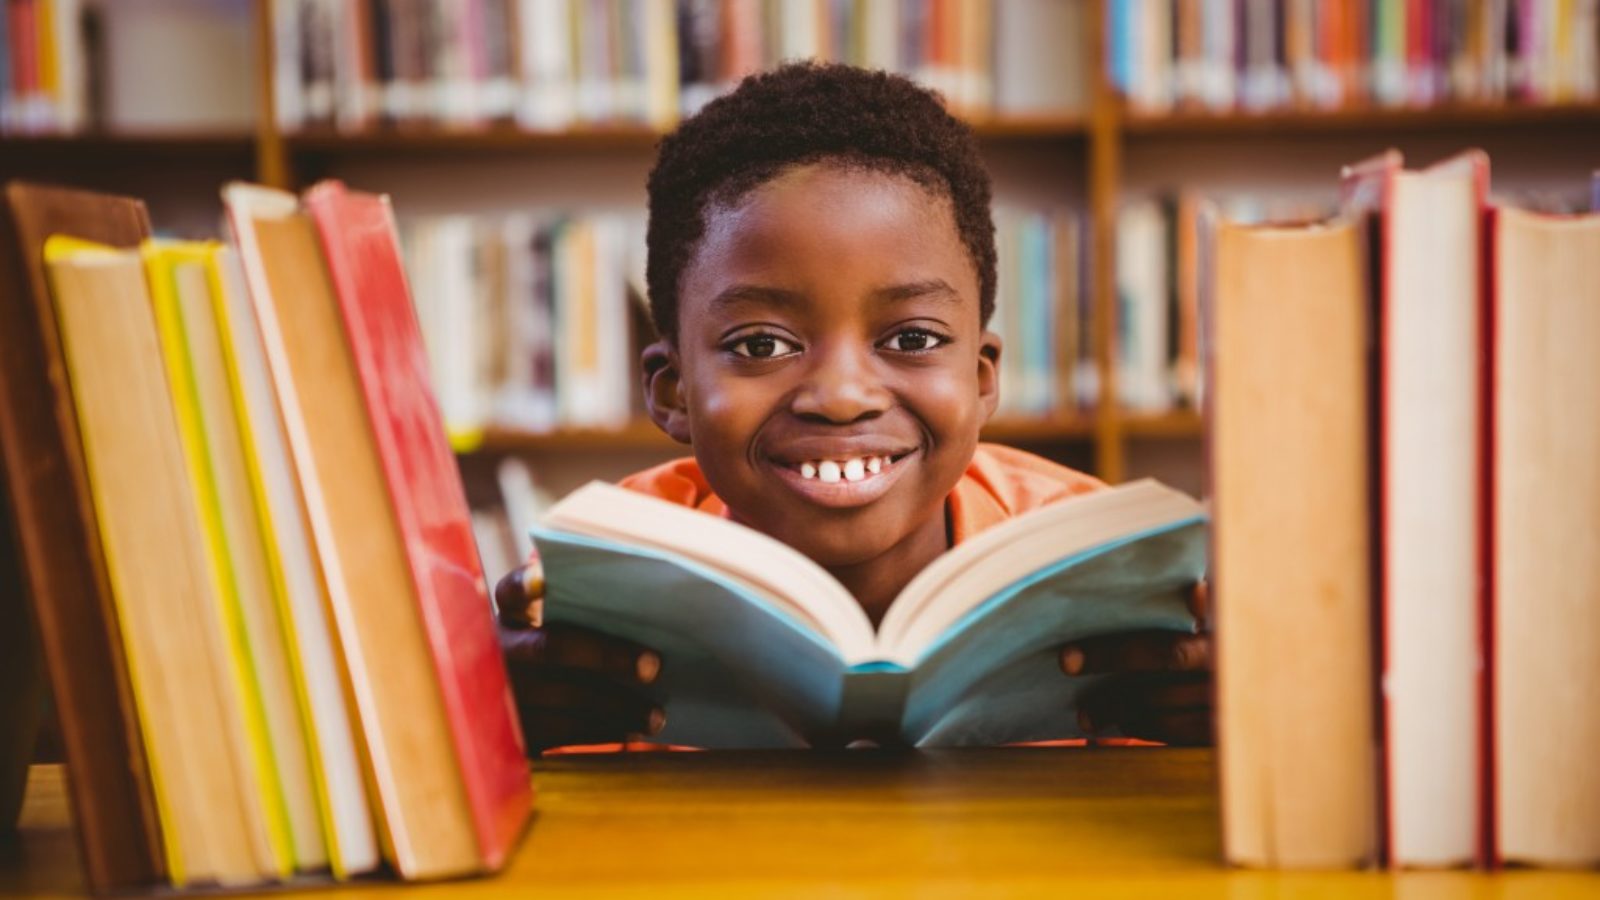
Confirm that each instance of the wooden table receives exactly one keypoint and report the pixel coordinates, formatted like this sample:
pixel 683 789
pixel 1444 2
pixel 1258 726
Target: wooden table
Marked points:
pixel 1057 823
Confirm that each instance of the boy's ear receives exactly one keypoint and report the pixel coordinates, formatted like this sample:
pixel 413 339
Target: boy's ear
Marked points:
pixel 663 390
pixel 989 347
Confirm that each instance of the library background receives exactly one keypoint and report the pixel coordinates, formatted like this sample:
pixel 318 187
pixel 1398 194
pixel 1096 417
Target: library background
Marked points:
pixel 514 138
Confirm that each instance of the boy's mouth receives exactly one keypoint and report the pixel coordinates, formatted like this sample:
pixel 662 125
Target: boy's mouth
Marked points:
pixel 844 480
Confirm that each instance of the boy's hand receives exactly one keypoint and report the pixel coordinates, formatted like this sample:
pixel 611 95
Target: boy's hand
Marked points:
pixel 572 685
pixel 1162 687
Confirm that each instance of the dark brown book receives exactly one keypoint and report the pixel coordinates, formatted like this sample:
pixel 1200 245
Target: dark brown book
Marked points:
pixel 21 673
pixel 64 567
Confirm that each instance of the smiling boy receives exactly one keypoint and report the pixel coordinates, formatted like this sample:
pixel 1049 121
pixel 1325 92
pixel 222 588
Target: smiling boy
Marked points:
pixel 821 270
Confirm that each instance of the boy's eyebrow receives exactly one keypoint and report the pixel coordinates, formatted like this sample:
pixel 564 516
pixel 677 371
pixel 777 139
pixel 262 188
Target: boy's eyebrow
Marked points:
pixel 934 288
pixel 755 293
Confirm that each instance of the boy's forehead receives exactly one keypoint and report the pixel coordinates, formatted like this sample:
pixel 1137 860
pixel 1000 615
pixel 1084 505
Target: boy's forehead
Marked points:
pixel 877 229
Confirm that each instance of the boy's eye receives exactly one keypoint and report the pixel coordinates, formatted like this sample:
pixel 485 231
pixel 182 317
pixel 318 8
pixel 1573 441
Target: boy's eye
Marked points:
pixel 763 346
pixel 913 339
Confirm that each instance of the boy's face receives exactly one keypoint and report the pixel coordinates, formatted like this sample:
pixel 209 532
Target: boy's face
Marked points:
pixel 829 368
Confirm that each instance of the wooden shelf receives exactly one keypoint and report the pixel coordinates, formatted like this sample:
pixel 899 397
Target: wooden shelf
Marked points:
pixel 644 436
pixel 620 137
pixel 1361 118
pixel 499 138
pixel 142 143
pixel 1183 424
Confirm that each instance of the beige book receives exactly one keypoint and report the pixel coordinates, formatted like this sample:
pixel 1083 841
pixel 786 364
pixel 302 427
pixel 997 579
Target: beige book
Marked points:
pixel 178 659
pixel 1291 543
pixel 1546 511
pixel 424 820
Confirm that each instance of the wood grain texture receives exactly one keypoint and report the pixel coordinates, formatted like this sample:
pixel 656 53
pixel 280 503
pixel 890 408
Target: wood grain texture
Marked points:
pixel 1023 823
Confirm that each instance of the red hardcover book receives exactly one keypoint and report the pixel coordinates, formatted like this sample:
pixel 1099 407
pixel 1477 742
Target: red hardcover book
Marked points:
pixel 358 239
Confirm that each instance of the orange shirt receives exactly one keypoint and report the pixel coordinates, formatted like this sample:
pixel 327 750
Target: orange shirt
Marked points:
pixel 999 483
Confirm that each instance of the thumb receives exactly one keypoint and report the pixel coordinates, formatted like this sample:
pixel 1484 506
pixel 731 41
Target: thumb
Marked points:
pixel 519 596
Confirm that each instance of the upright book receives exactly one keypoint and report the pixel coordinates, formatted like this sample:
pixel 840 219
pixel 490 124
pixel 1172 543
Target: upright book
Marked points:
pixel 1291 574
pixel 62 559
pixel 762 647
pixel 1545 506
pixel 447 767
pixel 1431 477
pixel 359 241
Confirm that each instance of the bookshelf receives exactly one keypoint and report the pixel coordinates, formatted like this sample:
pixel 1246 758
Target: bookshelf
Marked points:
pixel 1103 154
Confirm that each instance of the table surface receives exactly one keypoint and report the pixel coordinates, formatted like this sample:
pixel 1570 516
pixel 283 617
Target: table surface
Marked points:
pixel 1034 822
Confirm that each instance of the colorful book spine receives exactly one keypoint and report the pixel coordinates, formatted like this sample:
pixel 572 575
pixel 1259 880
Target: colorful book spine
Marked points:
pixel 1258 56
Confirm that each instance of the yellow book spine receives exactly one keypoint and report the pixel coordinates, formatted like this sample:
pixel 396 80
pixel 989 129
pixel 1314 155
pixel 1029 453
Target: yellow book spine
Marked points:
pixel 49 61
pixel 280 590
pixel 160 259
pixel 58 249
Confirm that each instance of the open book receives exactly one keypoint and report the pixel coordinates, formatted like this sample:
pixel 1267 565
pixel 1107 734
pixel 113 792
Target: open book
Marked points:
pixel 763 648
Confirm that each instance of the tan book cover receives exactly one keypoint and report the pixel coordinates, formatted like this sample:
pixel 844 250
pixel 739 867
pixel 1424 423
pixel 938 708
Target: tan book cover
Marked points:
pixel 1292 545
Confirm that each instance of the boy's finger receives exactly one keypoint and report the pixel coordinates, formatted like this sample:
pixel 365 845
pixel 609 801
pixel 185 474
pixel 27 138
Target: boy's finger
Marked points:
pixel 1117 702
pixel 587 698
pixel 546 728
pixel 566 646
pixel 1185 729
pixel 519 596
pixel 1200 604
pixel 1141 651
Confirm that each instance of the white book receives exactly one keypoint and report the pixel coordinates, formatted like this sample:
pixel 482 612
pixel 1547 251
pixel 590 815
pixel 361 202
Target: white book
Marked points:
pixel 298 577
pixel 1431 458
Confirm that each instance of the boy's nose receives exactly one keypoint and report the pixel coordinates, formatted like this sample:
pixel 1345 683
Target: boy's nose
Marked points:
pixel 841 387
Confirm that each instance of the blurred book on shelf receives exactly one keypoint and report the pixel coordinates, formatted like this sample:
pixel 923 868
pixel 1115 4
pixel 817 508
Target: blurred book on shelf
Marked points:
pixel 555 64
pixel 140 66
pixel 1042 313
pixel 1260 55
pixel 1160 341
pixel 534 322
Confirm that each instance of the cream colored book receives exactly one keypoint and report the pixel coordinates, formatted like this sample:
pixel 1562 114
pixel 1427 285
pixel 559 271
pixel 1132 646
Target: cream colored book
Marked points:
pixel 1546 510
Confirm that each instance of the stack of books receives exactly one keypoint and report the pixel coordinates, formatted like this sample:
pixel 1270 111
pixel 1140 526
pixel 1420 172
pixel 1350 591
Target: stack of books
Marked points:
pixel 553 64
pixel 1405 424
pixel 1266 54
pixel 248 549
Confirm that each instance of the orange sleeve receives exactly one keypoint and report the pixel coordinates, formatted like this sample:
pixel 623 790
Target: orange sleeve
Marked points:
pixel 1003 482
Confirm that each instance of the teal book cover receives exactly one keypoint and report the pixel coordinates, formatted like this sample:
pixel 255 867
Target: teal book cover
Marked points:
pixel 972 661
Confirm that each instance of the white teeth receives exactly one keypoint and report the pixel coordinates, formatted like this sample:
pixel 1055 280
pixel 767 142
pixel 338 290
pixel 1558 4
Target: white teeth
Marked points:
pixel 854 470
pixel 807 470
pixel 874 464
pixel 828 471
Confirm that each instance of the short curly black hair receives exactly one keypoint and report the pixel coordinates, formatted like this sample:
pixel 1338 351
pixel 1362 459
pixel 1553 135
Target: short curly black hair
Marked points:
pixel 798 114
